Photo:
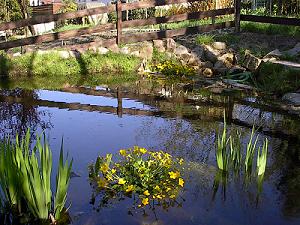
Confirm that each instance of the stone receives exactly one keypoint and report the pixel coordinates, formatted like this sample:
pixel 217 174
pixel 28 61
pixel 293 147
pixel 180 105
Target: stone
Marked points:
pixel 146 50
pixel 75 53
pixel 219 45
pixel 207 64
pixel 181 50
pixel 294 51
pixel 193 60
pixel 114 48
pixel 251 62
pixel 64 54
pixel 102 50
pixel 124 50
pixel 207 72
pixel 292 98
pixel 221 68
pixel 236 69
pixel 17 54
pixel 273 54
pixel 171 44
pixel 135 53
pixel 199 51
pixel 228 59
pixel 159 45
pixel 211 54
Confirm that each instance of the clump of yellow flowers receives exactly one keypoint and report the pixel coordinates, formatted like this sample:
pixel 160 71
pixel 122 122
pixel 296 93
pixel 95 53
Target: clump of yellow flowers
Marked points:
pixel 169 68
pixel 148 176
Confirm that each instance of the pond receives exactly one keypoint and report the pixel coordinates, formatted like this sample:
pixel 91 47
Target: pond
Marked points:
pixel 100 120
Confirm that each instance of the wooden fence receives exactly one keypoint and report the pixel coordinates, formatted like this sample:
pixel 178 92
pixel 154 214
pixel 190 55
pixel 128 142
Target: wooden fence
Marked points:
pixel 262 19
pixel 120 24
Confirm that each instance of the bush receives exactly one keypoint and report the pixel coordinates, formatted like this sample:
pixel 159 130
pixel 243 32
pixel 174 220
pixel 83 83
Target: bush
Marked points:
pixel 145 175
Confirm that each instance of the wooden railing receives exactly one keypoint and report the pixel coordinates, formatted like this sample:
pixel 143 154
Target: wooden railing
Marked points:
pixel 120 24
pixel 262 19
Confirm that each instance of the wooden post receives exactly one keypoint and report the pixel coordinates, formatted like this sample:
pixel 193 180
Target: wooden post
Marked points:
pixel 119 21
pixel 120 106
pixel 237 15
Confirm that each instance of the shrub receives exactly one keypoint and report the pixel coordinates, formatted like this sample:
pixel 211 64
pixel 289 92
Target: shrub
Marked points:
pixel 147 176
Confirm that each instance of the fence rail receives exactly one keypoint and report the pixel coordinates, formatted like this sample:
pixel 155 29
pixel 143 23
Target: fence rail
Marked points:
pixel 271 20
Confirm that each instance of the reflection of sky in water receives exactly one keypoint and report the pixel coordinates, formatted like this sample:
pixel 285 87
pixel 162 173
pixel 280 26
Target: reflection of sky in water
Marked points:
pixel 58 96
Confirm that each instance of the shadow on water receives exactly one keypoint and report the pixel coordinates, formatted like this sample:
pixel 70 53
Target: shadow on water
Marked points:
pixel 83 66
pixel 4 72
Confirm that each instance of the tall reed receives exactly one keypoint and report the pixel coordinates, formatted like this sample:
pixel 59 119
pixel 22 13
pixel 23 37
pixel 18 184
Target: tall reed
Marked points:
pixel 25 177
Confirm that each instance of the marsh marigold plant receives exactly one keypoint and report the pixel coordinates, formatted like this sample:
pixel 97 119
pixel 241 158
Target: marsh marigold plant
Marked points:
pixel 148 176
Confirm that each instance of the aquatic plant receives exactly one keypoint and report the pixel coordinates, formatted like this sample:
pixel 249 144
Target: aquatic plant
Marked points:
pixel 25 178
pixel 147 176
pixel 233 158
pixel 262 158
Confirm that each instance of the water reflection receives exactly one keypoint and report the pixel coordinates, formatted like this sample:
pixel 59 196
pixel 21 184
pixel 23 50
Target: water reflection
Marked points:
pixel 105 120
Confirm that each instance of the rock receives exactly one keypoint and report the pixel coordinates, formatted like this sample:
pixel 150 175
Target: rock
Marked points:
pixel 273 54
pixel 221 68
pixel 251 62
pixel 207 72
pixel 159 45
pixel 102 50
pixel 236 69
pixel 181 50
pixel 224 63
pixel 17 54
pixel 292 98
pixel 135 53
pixel 171 44
pixel 64 54
pixel 294 51
pixel 199 51
pixel 211 54
pixel 146 50
pixel 75 53
pixel 124 50
pixel 207 64
pixel 219 45
pixel 114 48
pixel 193 60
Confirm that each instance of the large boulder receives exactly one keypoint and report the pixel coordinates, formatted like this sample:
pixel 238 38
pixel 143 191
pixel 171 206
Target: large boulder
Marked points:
pixel 224 63
pixel 170 44
pixel 211 54
pixel 219 45
pixel 181 50
pixel 199 51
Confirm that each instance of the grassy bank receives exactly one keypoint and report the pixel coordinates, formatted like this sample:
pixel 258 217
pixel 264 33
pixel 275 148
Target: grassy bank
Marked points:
pixel 52 71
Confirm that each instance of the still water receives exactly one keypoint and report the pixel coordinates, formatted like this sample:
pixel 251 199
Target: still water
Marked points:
pixel 96 121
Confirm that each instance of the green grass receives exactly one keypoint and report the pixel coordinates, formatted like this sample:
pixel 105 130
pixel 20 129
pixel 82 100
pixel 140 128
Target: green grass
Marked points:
pixel 270 29
pixel 277 79
pixel 71 27
pixel 205 39
pixel 51 71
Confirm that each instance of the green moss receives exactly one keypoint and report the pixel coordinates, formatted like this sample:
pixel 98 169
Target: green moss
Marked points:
pixel 205 39
pixel 52 71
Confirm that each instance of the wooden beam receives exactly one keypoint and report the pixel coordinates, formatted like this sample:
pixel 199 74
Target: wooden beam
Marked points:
pixel 119 21
pixel 56 17
pixel 177 18
pixel 172 33
pixel 272 20
pixel 56 36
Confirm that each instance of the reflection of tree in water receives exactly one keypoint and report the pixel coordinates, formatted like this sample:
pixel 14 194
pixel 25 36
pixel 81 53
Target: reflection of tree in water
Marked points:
pixel 178 137
pixel 18 117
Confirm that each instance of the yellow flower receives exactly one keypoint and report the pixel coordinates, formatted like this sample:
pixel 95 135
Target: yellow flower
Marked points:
pixel 172 196
pixel 157 188
pixel 101 183
pixel 113 171
pixel 158 196
pixel 181 161
pixel 123 152
pixel 145 201
pixel 168 189
pixel 143 150
pixel 146 193
pixel 130 188
pixel 104 168
pixel 181 182
pixel 121 181
pixel 174 175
